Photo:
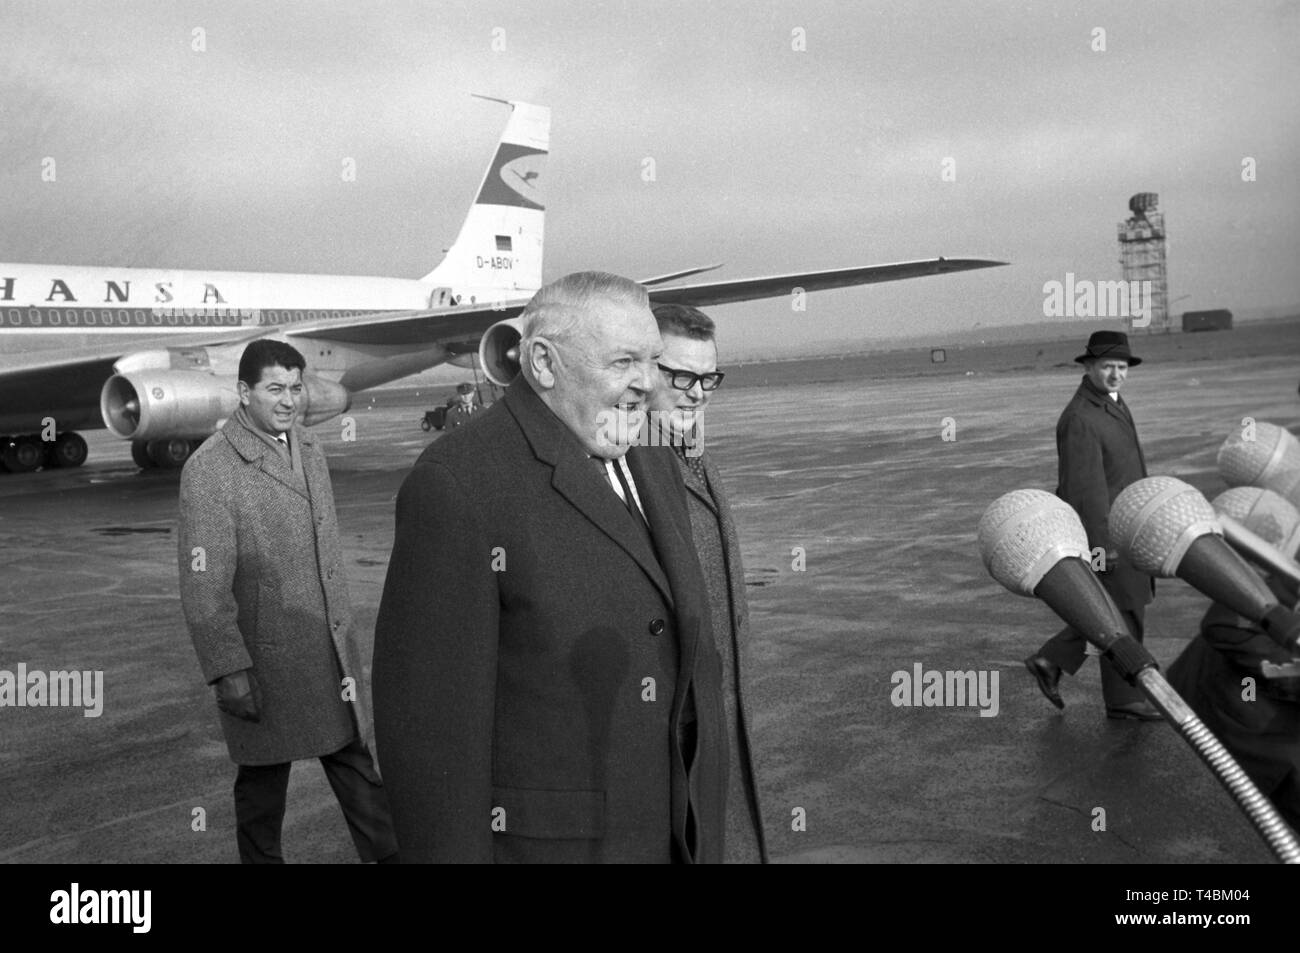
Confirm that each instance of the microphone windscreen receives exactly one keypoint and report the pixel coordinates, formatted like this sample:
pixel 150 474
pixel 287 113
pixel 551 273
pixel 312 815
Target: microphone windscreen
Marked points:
pixel 1264 513
pixel 1156 519
pixel 1259 551
pixel 1265 455
pixel 1024 533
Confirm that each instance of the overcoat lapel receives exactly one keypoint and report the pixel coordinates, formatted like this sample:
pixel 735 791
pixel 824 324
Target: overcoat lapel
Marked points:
pixel 578 481
pixel 1117 411
pixel 251 448
pixel 305 471
pixel 730 547
pixel 700 490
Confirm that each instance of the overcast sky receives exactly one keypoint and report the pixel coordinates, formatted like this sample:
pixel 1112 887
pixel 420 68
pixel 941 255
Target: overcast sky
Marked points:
pixel 766 157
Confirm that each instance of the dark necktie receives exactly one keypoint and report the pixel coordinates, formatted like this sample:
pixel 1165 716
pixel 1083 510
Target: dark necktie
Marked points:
pixel 694 462
pixel 633 510
pixel 628 499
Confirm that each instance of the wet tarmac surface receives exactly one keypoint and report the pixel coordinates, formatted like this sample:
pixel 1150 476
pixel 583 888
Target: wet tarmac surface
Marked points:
pixel 850 469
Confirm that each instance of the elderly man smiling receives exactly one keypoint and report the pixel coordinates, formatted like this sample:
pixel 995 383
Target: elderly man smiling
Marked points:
pixel 546 685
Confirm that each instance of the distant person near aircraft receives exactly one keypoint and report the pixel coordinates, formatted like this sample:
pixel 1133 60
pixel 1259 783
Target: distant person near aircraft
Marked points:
pixel 464 409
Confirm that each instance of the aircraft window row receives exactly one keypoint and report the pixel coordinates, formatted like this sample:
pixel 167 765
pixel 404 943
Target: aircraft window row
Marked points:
pixel 285 317
pixel 119 317
pixel 161 317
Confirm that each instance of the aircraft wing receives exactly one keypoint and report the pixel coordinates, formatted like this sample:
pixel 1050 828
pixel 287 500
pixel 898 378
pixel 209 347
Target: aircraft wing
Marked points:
pixel 65 384
pixel 750 289
pixel 412 328
pixel 67 391
pixel 439 326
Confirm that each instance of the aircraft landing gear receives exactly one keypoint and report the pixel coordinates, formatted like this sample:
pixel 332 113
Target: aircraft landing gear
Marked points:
pixel 27 452
pixel 140 454
pixel 68 450
pixel 23 454
pixel 168 454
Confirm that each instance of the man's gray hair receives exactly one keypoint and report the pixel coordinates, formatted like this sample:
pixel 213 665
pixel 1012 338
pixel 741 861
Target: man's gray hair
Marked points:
pixel 560 307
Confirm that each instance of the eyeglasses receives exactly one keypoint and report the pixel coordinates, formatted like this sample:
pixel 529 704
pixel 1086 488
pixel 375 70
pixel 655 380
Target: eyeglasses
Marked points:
pixel 685 380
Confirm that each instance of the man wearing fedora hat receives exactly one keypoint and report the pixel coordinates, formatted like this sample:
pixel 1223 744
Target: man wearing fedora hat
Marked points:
pixel 1098 455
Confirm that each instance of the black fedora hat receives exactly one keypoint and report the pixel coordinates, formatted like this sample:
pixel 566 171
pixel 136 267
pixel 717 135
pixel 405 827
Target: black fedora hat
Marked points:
pixel 1111 344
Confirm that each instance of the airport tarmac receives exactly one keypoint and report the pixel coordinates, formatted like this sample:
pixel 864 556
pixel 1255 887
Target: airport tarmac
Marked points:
pixel 846 464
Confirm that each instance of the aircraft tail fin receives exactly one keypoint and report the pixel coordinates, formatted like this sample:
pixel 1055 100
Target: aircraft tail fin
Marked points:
pixel 498 253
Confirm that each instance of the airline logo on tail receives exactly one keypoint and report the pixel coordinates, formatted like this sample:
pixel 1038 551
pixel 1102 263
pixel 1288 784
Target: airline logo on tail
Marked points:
pixel 512 180
pixel 498 254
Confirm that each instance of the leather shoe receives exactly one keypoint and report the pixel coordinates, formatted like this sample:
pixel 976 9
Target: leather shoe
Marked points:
pixel 1137 711
pixel 1048 675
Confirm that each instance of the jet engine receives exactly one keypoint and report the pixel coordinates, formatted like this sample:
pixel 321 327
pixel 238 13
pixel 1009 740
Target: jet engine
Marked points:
pixel 498 351
pixel 152 404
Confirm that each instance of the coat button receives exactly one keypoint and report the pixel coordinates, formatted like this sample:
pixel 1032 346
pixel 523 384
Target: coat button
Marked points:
pixel 657 627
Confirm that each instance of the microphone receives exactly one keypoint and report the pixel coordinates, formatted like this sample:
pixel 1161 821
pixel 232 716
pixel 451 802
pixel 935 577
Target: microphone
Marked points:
pixel 1270 460
pixel 1166 528
pixel 1034 544
pixel 1264 513
pixel 1262 527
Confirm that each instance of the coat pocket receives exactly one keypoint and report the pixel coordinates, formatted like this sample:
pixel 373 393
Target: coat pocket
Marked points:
pixel 569 815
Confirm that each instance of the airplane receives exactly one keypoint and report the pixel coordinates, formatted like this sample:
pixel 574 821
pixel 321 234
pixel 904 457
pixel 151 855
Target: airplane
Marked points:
pixel 152 353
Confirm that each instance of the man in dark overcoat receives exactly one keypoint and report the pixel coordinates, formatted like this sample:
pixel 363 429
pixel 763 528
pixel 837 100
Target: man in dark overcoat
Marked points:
pixel 266 601
pixel 1257 720
pixel 688 377
pixel 546 688
pixel 1098 455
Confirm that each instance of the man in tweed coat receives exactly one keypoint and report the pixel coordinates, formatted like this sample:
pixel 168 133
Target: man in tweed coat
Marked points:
pixel 262 586
pixel 1098 455
pixel 545 686
pixel 688 376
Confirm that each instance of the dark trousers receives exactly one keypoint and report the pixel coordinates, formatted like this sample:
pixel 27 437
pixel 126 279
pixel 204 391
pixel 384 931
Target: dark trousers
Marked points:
pixel 260 796
pixel 1068 650
pixel 687 735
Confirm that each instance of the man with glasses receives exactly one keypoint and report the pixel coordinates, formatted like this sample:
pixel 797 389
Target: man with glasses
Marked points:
pixel 560 702
pixel 689 375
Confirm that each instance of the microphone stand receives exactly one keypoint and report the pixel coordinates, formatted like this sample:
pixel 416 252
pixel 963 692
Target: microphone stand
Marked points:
pixel 1061 588
pixel 1265 818
pixel 1259 809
